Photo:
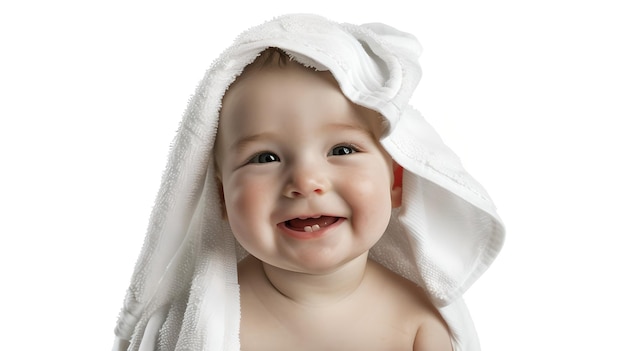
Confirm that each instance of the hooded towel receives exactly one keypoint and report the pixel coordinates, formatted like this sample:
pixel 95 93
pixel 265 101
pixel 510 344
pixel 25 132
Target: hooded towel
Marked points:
pixel 184 293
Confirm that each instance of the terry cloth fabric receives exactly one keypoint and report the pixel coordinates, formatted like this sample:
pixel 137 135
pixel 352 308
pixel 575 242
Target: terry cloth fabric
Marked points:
pixel 184 293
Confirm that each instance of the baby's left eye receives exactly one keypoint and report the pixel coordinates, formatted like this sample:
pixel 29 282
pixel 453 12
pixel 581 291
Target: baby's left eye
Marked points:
pixel 341 150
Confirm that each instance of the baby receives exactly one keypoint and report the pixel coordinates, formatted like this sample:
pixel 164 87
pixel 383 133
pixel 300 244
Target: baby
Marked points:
pixel 307 206
pixel 308 190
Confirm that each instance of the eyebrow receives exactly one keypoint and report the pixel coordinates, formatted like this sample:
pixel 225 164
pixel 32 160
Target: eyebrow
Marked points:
pixel 241 143
pixel 349 127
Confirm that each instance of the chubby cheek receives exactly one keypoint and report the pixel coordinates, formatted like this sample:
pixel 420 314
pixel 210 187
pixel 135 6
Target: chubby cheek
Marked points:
pixel 371 203
pixel 244 203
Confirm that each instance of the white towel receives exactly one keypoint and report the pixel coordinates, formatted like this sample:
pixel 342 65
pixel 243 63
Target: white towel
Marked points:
pixel 184 293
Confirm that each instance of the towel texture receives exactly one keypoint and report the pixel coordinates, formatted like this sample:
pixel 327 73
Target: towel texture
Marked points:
pixel 184 293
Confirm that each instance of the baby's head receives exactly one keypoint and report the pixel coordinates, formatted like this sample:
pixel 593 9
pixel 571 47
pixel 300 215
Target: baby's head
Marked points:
pixel 305 182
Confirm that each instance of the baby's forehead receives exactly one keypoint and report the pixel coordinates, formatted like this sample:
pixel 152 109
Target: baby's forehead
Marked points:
pixel 273 64
pixel 269 89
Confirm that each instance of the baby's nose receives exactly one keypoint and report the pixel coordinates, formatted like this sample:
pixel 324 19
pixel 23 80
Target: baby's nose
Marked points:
pixel 305 181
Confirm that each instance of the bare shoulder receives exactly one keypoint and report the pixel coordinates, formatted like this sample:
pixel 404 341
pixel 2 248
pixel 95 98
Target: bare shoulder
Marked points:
pixel 432 335
pixel 413 305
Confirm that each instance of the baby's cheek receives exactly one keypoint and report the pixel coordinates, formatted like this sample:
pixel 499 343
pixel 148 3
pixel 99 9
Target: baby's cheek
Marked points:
pixel 372 200
pixel 239 204
pixel 247 202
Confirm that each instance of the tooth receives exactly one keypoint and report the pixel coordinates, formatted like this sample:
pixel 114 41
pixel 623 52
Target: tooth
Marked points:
pixel 315 227
pixel 308 228
pixel 318 216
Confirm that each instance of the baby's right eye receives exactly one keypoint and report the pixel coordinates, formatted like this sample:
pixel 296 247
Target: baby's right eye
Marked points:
pixel 264 157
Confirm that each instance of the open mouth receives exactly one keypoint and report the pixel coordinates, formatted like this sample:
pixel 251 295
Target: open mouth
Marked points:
pixel 311 224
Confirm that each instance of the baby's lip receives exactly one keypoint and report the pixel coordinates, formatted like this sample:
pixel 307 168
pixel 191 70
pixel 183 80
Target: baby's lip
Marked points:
pixel 310 224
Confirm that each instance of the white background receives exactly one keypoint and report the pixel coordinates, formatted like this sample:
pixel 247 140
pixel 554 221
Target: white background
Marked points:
pixel 530 94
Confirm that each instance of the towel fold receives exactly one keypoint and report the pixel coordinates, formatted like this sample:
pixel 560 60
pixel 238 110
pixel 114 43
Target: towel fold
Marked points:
pixel 184 293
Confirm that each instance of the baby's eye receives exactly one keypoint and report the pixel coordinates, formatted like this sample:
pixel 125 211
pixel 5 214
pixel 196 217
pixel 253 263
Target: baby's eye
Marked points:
pixel 264 157
pixel 341 150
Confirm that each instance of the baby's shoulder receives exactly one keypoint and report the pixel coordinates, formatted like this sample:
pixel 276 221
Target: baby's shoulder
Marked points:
pixel 408 305
pixel 398 291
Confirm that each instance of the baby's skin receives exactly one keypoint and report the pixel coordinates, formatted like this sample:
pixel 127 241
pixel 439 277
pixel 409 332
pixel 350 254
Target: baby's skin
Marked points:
pixel 308 190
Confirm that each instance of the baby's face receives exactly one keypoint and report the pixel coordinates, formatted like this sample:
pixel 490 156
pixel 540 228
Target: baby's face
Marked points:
pixel 306 184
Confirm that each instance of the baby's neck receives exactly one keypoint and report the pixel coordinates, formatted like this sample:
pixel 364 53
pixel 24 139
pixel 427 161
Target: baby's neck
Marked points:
pixel 318 289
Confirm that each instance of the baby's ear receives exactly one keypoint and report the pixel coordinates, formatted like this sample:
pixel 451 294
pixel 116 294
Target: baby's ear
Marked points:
pixel 396 188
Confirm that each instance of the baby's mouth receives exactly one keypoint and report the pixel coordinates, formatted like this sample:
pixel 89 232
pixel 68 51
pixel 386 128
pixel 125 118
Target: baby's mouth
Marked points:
pixel 310 224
